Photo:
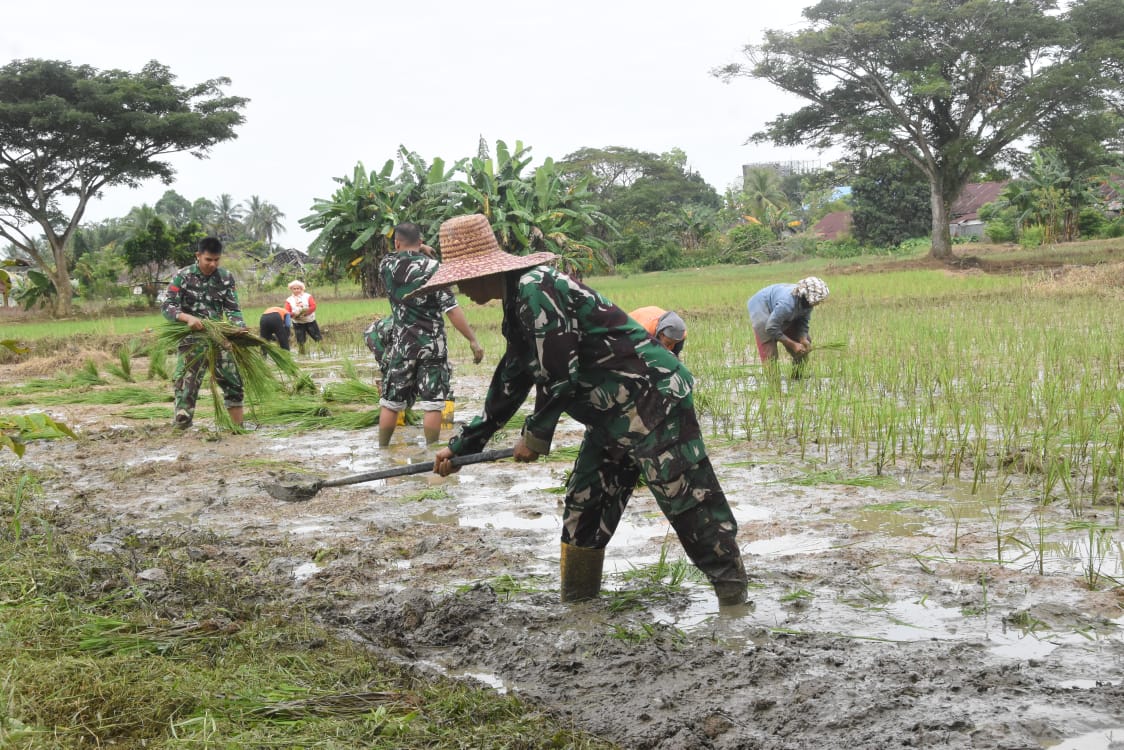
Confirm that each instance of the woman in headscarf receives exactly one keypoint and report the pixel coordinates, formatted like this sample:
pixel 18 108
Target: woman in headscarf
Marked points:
pixel 782 313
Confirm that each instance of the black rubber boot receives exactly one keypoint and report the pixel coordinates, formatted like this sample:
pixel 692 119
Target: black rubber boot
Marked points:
pixel 713 549
pixel 580 572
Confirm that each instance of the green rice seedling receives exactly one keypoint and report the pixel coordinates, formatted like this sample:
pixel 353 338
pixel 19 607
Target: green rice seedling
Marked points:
pixel 508 586
pixel 867 596
pixel 151 413
pixel 796 595
pixel 124 367
pixel 88 375
pixel 649 632
pixel 664 574
pixel 351 391
pixel 131 394
pixel 158 364
pixel 26 487
pixel 1098 548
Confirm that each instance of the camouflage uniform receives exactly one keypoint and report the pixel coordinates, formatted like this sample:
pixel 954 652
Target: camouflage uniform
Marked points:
pixel 377 337
pixel 416 361
pixel 204 297
pixel 585 357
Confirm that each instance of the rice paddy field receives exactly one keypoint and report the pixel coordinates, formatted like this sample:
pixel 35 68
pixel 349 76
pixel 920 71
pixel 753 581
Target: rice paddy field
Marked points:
pixel 930 514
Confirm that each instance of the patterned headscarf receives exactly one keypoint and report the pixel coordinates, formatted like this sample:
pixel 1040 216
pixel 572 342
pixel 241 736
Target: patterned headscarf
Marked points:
pixel 812 289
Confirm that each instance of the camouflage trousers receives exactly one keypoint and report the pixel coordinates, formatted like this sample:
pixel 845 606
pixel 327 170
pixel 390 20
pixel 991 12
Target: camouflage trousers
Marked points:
pixel 673 463
pixel 191 367
pixel 425 381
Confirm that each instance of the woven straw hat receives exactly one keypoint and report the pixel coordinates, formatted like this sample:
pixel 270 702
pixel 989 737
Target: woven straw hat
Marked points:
pixel 469 250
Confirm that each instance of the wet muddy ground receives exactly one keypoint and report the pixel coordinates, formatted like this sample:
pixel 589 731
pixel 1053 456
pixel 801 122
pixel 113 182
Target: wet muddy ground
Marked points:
pixel 879 618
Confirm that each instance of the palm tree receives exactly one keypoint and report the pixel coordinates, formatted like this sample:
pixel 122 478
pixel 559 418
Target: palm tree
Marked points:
pixel 227 221
pixel 263 219
pixel 762 191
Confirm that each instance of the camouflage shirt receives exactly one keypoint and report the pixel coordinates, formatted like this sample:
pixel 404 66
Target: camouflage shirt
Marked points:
pixel 584 356
pixel 203 296
pixel 419 322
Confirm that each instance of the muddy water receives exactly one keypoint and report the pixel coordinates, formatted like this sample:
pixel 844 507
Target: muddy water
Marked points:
pixel 880 616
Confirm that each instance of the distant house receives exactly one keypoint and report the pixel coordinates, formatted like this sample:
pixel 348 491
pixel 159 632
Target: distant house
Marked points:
pixel 964 214
pixel 833 226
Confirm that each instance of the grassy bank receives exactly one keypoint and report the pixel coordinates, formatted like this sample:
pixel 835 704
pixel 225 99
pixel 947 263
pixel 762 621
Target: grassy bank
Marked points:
pixel 160 645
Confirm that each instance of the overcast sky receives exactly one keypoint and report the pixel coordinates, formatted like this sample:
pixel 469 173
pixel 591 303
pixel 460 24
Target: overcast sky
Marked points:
pixel 335 82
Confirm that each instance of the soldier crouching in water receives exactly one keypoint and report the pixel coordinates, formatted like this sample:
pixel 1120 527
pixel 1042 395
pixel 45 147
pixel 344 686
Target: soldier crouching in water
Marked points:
pixel 585 357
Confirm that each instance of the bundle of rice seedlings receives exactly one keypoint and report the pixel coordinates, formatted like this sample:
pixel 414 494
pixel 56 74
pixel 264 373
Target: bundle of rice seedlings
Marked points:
pixel 161 413
pixel 158 364
pixel 133 395
pixel 351 392
pixel 88 375
pixel 252 355
pixel 125 369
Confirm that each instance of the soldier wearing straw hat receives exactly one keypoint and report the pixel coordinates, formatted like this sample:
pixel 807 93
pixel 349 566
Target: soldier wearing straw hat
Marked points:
pixel 584 356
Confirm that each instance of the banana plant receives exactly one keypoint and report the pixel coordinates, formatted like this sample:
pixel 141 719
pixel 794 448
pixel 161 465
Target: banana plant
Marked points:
pixel 357 223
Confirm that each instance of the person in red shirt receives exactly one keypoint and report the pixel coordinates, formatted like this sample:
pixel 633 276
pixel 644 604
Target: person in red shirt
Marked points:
pixel 302 307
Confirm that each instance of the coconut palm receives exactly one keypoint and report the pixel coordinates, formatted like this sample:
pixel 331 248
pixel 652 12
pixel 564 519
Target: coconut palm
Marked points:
pixel 263 220
pixel 762 191
pixel 227 220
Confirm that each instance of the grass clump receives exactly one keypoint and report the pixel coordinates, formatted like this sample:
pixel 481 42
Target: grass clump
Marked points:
pixel 206 657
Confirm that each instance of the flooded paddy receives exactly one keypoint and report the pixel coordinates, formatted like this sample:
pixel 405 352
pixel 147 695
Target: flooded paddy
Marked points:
pixel 896 613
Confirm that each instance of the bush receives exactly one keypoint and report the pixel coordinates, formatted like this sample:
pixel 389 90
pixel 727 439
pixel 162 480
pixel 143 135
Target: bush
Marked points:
pixel 1032 236
pixel 1092 223
pixel 745 239
pixel 1000 230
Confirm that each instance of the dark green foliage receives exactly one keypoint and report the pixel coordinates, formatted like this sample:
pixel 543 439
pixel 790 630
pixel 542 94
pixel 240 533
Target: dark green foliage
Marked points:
pixel 661 207
pixel 890 202
pixel 949 85
pixel 150 252
pixel 746 239
pixel 69 132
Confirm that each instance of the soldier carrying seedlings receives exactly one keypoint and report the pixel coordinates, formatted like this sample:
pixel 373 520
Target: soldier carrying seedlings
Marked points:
pixel 201 291
pixel 584 356
pixel 417 362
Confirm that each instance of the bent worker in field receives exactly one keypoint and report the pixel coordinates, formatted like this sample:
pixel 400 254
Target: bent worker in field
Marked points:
pixel 782 313
pixel 584 356
pixel 665 326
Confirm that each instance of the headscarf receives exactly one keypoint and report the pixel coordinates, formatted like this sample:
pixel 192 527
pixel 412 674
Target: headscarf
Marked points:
pixel 812 289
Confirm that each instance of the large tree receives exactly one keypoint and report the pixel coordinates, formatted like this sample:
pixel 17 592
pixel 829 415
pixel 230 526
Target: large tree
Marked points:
pixel 68 132
pixel 655 200
pixel 889 199
pixel 946 84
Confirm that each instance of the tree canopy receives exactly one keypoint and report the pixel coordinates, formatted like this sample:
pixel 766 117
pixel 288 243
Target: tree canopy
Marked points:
pixel 948 85
pixel 659 205
pixel 68 132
